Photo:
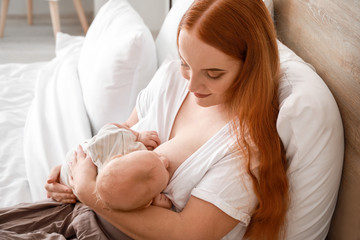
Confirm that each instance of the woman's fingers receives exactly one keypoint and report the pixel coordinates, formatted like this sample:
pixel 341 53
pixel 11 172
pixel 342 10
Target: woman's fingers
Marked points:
pixel 80 153
pixel 57 188
pixel 60 193
pixel 54 174
pixel 64 198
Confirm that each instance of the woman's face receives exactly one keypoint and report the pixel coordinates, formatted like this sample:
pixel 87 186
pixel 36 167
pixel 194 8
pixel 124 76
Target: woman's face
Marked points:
pixel 210 71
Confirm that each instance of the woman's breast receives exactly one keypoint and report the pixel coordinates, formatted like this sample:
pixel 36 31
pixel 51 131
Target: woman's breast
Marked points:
pixel 177 150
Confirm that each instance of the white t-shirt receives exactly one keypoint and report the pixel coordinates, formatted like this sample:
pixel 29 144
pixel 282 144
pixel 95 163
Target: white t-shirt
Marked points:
pixel 214 173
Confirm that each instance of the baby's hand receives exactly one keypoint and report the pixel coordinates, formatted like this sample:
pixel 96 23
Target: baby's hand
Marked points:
pixel 149 138
pixel 162 201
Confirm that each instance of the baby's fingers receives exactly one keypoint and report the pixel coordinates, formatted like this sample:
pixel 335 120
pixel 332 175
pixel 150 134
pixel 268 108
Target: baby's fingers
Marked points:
pixel 151 145
pixel 156 139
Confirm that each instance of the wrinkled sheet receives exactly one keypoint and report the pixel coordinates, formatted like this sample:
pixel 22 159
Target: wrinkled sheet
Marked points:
pixel 42 116
pixel 17 83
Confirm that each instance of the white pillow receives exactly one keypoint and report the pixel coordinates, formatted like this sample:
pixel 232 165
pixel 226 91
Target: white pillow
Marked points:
pixel 117 60
pixel 166 47
pixel 310 127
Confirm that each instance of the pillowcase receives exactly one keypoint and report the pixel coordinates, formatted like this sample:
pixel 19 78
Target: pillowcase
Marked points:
pixel 166 47
pixel 117 60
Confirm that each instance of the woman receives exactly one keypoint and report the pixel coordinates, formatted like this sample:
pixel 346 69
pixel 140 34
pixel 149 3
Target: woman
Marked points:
pixel 229 57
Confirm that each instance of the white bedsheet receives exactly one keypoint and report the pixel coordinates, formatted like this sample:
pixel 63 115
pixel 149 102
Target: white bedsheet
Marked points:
pixel 57 120
pixel 17 83
pixel 42 116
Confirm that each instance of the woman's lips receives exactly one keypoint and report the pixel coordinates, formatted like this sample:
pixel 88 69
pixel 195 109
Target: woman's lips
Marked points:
pixel 199 95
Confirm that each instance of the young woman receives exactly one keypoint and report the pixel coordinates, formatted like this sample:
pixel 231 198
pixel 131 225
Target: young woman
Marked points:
pixel 219 127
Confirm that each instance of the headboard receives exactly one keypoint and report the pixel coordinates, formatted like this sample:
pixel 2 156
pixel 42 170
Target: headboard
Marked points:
pixel 326 34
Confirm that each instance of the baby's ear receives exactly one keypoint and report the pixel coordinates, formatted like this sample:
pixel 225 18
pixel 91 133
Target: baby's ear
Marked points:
pixel 116 156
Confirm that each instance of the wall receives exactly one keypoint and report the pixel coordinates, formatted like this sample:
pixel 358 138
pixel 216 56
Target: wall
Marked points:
pixel 41 7
pixel 153 12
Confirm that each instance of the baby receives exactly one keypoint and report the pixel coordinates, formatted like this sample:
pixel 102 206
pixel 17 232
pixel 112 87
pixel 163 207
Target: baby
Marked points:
pixel 129 175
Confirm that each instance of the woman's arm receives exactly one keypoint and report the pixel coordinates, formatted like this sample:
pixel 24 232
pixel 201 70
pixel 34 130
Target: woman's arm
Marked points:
pixel 198 220
pixel 132 120
pixel 62 193
pixel 129 122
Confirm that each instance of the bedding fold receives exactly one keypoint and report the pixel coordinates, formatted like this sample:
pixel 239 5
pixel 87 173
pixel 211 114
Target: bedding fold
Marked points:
pixel 57 119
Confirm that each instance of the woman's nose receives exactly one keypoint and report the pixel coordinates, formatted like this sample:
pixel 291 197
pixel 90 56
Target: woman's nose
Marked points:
pixel 194 83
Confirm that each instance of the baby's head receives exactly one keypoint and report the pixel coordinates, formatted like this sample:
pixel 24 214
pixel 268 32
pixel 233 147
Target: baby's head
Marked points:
pixel 131 181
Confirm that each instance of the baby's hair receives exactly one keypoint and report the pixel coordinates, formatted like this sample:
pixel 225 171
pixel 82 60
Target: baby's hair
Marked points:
pixel 130 182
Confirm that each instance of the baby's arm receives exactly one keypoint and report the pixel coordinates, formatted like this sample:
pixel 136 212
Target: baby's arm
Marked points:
pixel 162 201
pixel 123 126
pixel 149 138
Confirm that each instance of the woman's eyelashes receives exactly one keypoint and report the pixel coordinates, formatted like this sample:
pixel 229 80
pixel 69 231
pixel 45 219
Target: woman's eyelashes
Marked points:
pixel 183 64
pixel 214 75
pixel 211 74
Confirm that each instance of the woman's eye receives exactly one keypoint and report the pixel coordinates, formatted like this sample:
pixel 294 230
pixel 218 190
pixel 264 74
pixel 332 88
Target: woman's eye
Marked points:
pixel 213 75
pixel 184 65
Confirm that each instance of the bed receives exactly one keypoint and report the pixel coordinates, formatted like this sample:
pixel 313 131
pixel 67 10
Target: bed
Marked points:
pixel 49 107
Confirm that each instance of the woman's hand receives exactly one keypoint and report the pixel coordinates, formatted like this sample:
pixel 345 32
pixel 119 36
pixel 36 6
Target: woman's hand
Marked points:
pixel 57 191
pixel 83 172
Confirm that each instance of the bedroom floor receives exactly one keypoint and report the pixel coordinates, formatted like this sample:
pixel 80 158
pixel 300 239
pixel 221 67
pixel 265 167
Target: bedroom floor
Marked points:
pixel 23 43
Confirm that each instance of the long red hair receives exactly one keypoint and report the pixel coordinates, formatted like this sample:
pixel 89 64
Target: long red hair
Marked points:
pixel 244 30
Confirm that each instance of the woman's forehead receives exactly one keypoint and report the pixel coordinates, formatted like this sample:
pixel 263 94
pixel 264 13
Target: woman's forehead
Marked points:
pixel 199 54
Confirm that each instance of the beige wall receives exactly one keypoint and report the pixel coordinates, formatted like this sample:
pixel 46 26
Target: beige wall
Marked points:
pixel 41 7
pixel 153 12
